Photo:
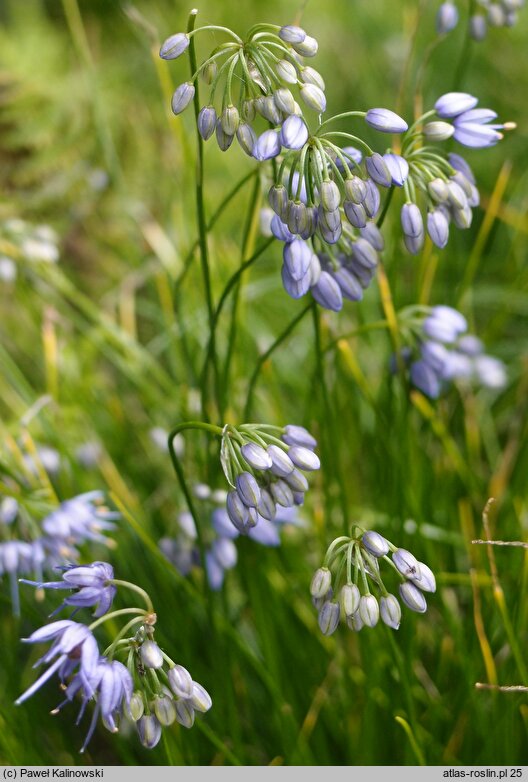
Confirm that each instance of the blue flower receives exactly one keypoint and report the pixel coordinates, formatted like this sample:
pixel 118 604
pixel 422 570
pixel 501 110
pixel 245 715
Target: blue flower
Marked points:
pixel 91 581
pixel 73 645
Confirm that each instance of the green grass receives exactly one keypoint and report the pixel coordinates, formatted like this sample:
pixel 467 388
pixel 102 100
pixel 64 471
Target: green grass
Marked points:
pixel 111 342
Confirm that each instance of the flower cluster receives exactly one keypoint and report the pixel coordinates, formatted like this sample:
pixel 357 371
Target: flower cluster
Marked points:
pixel 444 352
pixel 220 535
pixel 149 689
pixel 28 547
pixel 255 78
pixel 265 467
pixel 445 181
pixel 341 588
pixel 486 13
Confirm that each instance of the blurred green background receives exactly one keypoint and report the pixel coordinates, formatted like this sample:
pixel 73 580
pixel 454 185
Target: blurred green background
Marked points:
pixel 107 344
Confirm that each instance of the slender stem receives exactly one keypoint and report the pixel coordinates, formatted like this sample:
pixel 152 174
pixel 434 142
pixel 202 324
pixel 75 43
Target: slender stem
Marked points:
pixel 114 614
pixel 200 209
pixel 341 116
pixel 134 588
pixel 246 239
pixel 227 290
pixel 264 357
pixel 109 651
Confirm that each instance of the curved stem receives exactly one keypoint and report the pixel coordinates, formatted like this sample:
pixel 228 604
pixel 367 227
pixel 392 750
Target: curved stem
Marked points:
pixel 341 116
pixel 109 651
pixel 114 614
pixel 134 588
pixel 262 360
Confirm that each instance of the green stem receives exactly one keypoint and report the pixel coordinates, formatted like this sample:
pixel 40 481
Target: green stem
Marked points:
pixel 262 360
pixel 109 651
pixel 341 116
pixel 246 238
pixel 227 290
pixel 114 614
pixel 200 208
pixel 134 588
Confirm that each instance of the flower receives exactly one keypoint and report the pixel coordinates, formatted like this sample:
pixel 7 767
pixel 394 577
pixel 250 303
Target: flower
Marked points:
pixel 386 121
pixel 446 18
pixel 354 563
pixel 73 645
pixel 90 581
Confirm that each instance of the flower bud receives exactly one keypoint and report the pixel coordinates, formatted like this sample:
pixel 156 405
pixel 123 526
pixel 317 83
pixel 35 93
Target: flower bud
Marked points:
pixel 207 122
pixel 438 131
pixel 248 110
pixel 349 284
pixel 355 189
pixel 267 146
pixel 286 72
pixel 496 16
pixel 284 100
pixel 385 121
pixel 327 293
pixel 438 190
pixel 200 699
pixel 355 214
pixel 174 46
pixel 296 217
pixel 224 552
pixel 150 654
pixel 406 563
pixel 297 256
pixel 223 140
pixel 266 506
pixel 321 582
pixel 164 710
pixel 372 199
pixel 390 611
pixel 427 581
pixel 256 456
pixel 457 197
pixel 281 463
pixel 477 27
pixel 330 196
pixel 278 199
pixel 282 494
pixel 375 543
pixel 462 217
pixel 304 458
pixel 209 72
pixel 310 76
pixel 411 220
pixel 364 254
pixel 135 707
pixel 438 228
pixel 446 18
pixel 180 681
pixel 306 48
pixel 184 713
pixel 296 480
pixel 313 97
pixel 295 288
pixel 265 105
pixel 373 235
pixel 328 221
pixel 349 598
pixel 328 618
pixel 246 138
pixel 298 435
pixel 182 96
pixel 378 170
pixel 355 622
pixel 293 133
pixel 149 730
pixel 230 120
pixel 398 168
pixel 369 610
pixel 292 34
pixel 454 103
pixel 248 489
pixel 237 511
pixel 412 597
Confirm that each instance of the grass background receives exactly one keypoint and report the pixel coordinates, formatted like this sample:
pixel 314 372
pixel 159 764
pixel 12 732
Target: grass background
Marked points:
pixel 108 344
